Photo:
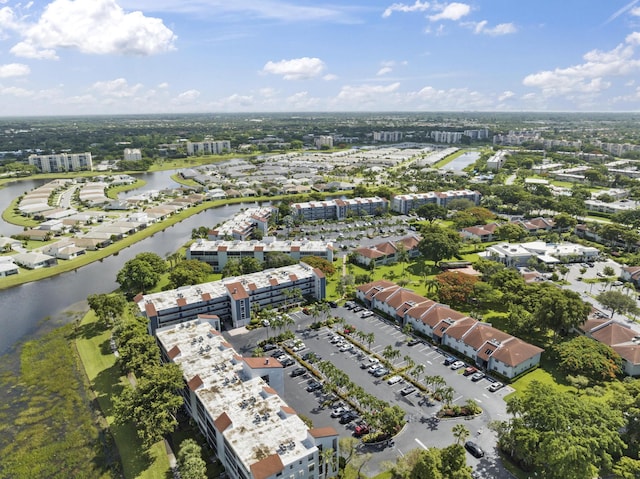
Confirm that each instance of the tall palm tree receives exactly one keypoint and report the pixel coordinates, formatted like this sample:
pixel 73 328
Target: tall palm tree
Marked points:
pixel 460 432
pixel 409 360
pixel 327 459
pixel 417 372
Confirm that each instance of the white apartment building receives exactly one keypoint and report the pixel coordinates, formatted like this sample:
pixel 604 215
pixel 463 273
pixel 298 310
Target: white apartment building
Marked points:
pixel 236 403
pixel 208 147
pixel 62 162
pixel 218 253
pixel 242 225
pixel 446 136
pixel 231 298
pixel 518 254
pixel 387 136
pixel 132 154
pixel 323 140
pixel 403 204
pixel 339 209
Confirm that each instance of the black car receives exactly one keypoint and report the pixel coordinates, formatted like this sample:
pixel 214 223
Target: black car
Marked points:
pixel 333 304
pixel 449 360
pixel 298 372
pixel 269 347
pixel 474 449
pixel 276 353
pixel 407 390
pixel 314 386
pixel 286 362
pixel 347 417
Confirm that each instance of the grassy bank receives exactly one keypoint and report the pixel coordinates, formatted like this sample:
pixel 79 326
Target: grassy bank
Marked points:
pixel 48 426
pixel 107 381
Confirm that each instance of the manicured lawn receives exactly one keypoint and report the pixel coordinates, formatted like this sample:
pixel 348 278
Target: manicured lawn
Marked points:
pixel 107 382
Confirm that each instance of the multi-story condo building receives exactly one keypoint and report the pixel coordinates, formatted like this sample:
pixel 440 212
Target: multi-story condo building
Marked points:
pixel 339 209
pixel 218 253
pixel 446 136
pixel 231 298
pixel 387 136
pixel 208 147
pixel 61 162
pixel 242 225
pixel 235 402
pixel 323 140
pixel 403 204
pixel 481 134
pixel 132 154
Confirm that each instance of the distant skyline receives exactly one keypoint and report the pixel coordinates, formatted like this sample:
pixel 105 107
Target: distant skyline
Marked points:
pixel 78 57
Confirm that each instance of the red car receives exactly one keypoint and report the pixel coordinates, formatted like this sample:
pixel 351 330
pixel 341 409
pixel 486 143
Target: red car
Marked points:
pixel 361 430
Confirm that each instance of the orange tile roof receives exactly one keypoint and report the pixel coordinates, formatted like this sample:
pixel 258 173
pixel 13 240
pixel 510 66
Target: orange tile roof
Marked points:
pixel 261 363
pixel 222 422
pixel 460 327
pixel 323 432
pixel 515 351
pixel 614 334
pixel 237 291
pixel 195 382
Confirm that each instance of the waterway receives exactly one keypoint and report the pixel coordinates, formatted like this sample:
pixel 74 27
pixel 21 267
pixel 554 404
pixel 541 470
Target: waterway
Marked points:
pixel 463 161
pixel 25 307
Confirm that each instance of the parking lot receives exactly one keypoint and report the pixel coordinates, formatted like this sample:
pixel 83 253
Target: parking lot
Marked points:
pixel 423 430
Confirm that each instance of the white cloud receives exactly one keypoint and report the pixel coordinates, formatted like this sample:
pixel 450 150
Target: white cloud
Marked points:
pixel 8 20
pixel 302 101
pixel 505 95
pixel 296 69
pixel 118 88
pixel 635 12
pixel 365 93
pixel 27 50
pixel 94 27
pixel 401 7
pixel 633 38
pixel 16 91
pixel 267 92
pixel 453 11
pixel 500 29
pixel 384 71
pixel 163 85
pixel 330 77
pixel 587 77
pixel 187 96
pixel 14 70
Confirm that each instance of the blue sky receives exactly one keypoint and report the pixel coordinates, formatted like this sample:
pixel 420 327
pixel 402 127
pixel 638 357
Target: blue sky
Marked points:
pixel 68 57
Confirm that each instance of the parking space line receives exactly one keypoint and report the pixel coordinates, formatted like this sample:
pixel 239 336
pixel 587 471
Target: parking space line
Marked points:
pixel 477 400
pixel 458 398
pixel 420 444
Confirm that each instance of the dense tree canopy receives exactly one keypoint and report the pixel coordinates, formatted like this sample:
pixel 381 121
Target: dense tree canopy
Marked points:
pixel 439 243
pixel 617 301
pixel 189 272
pixel 560 435
pixel 107 307
pixel 322 264
pixel 455 288
pixel 590 358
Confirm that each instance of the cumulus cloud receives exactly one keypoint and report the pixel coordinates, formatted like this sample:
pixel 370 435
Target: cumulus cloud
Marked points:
pixel 384 71
pixel 118 88
pixel 330 77
pixel 588 77
pixel 94 27
pixel 187 96
pixel 505 95
pixel 366 93
pixel 453 11
pixel 500 29
pixel 16 91
pixel 635 12
pixel 14 70
pixel 295 69
pixel 401 7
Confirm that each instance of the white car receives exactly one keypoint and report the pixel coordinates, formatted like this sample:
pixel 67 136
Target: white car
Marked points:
pixel 394 380
pixel 298 347
pixel 339 411
pixel 457 365
pixel 495 386
pixel 346 347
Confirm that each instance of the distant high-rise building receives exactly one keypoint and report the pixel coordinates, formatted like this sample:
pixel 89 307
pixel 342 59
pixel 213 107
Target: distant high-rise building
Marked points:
pixel 208 147
pixel 323 140
pixel 61 162
pixel 132 154
pixel 387 136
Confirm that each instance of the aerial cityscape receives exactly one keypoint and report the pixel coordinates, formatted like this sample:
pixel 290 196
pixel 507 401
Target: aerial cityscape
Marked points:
pixel 365 240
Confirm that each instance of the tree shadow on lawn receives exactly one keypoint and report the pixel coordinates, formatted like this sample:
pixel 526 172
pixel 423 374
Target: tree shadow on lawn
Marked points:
pixel 87 330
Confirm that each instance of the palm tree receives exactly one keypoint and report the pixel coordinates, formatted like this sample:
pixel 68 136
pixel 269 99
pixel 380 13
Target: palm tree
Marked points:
pixel 446 394
pixel 460 432
pixel 403 257
pixel 370 339
pixel 327 459
pixel 417 371
pixel 432 285
pixel 409 360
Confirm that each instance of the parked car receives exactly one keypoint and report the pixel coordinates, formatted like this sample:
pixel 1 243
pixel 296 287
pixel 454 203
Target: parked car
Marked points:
pixel 276 353
pixel 269 347
pixel 474 449
pixel 347 417
pixel 286 362
pixel 298 372
pixel 394 380
pixel 378 373
pixel 266 323
pixel 366 314
pixel 346 347
pixel 339 411
pixel 335 339
pixel 457 365
pixel 477 376
pixel 314 385
pixel 449 360
pixel 407 390
pixel 414 341
pixel 468 371
pixel 495 386
pixel 298 347
pixel 333 304
pixel 374 366
pixel 361 430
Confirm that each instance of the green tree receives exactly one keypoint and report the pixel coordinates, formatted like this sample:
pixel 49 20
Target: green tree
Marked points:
pixel 558 309
pixel 322 264
pixel 439 243
pixel 431 212
pixel 190 462
pixel 232 268
pixel 461 433
pixel 151 405
pixel 107 307
pixel 510 232
pixel 590 358
pixel 616 301
pixel 158 265
pixel 391 419
pixel 137 276
pixel 189 272
pixel 455 288
pixel 250 265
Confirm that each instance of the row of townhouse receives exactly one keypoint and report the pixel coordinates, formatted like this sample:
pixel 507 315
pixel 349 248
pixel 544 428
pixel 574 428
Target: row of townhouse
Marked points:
pixel 232 299
pixel 533 226
pixel 340 209
pixel 403 204
pixel 218 253
pixel 621 338
pixel 387 252
pixel 235 402
pixel 242 225
pixel 488 347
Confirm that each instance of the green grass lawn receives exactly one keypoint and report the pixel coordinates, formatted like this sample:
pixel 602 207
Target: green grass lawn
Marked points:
pixel 107 381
